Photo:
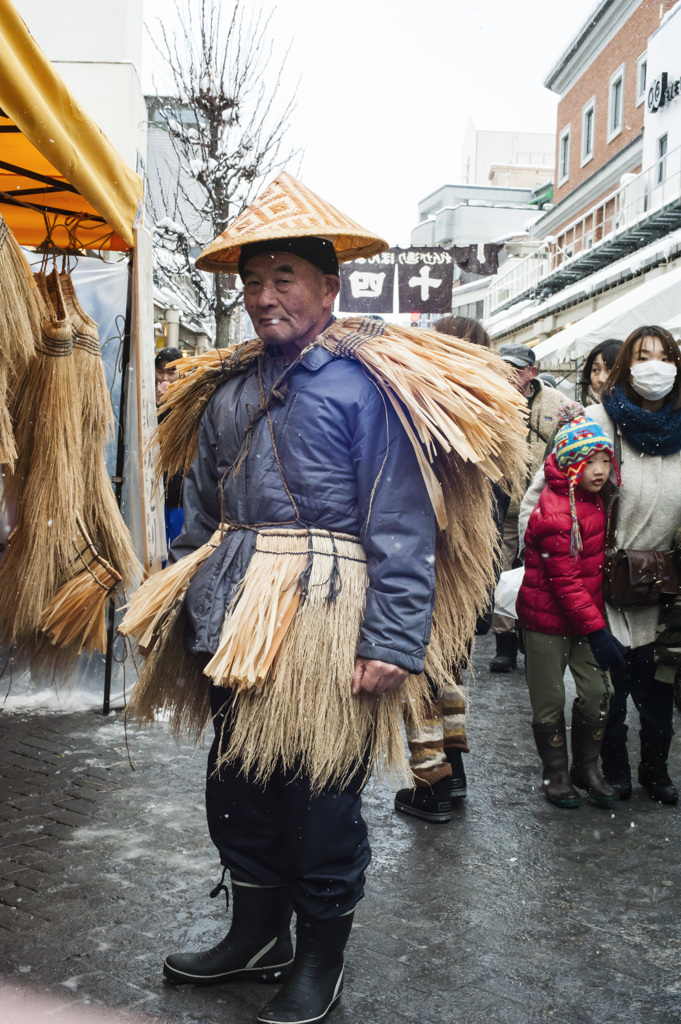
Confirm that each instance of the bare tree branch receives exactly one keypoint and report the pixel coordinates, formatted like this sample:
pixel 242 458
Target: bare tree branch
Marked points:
pixel 226 123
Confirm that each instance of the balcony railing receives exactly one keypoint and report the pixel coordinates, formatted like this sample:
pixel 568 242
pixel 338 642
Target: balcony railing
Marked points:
pixel 643 208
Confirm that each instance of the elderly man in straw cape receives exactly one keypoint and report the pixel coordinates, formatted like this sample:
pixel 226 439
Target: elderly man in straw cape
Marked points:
pixel 336 492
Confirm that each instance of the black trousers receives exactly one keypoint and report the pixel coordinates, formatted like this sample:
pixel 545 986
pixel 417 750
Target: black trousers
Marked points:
pixel 279 834
pixel 654 701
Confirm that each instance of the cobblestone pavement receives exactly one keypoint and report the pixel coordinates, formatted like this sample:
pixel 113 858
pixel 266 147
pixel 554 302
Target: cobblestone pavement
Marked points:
pixel 515 912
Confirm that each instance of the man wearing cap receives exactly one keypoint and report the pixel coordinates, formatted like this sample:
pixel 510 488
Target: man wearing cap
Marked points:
pixel 305 438
pixel 543 402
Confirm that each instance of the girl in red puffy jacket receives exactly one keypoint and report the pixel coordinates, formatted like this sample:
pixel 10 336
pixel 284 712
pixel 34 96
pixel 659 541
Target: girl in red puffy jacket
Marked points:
pixel 560 607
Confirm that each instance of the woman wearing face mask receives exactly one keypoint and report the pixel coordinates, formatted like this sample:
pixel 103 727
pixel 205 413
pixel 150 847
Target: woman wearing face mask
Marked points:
pixel 596 369
pixel 642 403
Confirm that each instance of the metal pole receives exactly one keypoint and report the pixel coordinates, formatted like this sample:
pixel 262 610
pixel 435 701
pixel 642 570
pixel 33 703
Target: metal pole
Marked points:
pixel 117 480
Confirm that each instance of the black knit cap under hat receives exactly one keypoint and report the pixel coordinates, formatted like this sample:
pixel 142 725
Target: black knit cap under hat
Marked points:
pixel 317 251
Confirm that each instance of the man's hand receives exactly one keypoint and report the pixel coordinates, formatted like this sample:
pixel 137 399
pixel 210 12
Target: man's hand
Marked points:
pixel 376 677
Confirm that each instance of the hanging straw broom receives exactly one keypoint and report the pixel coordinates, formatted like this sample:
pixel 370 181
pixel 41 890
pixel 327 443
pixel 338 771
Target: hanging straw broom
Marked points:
pixel 20 302
pixel 101 513
pixel 75 618
pixel 22 311
pixel 49 495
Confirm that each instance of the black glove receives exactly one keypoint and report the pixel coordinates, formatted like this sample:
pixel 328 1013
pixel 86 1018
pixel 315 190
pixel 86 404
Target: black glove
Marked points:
pixel 607 650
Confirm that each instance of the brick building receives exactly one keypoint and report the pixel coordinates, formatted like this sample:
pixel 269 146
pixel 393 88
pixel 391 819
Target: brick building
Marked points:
pixel 601 79
pixel 615 222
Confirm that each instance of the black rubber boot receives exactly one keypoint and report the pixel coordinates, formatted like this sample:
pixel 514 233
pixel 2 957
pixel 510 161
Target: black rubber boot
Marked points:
pixel 587 737
pixel 507 653
pixel 652 771
pixel 313 986
pixel 256 948
pixel 432 803
pixel 616 770
pixel 552 749
pixel 457 783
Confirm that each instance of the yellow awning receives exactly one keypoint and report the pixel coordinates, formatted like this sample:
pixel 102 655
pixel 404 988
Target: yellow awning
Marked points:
pixel 53 155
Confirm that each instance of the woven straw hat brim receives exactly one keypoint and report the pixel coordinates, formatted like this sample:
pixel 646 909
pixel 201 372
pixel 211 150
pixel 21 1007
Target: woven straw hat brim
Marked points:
pixel 287 209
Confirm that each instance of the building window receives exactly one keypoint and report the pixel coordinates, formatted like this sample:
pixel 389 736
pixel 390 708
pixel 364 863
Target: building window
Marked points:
pixel 661 156
pixel 564 155
pixel 641 76
pixel 588 125
pixel 616 104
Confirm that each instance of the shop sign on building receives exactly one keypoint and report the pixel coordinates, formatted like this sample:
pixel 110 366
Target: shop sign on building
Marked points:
pixel 662 91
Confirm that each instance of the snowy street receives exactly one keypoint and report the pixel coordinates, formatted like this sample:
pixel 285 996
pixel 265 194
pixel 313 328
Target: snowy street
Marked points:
pixel 514 912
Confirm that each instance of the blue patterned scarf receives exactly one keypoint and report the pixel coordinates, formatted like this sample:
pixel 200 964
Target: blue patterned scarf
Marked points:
pixel 653 433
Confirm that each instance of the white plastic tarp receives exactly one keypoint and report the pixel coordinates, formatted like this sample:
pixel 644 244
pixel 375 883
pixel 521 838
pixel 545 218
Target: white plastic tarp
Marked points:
pixel 653 302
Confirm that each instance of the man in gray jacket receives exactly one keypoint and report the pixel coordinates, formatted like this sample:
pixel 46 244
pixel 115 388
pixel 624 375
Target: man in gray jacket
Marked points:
pixel 543 402
pixel 301 438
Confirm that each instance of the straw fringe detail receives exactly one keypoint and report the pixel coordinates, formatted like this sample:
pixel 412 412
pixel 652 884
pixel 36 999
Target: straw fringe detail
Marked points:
pixel 161 593
pixel 171 683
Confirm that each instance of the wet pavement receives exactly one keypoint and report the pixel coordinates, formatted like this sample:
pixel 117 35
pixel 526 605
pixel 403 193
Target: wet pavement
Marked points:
pixel 515 912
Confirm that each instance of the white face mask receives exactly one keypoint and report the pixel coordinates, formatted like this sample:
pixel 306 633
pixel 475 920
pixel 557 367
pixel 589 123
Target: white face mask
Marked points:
pixel 653 380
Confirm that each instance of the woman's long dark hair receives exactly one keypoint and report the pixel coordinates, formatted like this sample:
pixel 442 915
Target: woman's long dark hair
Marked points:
pixel 619 375
pixel 608 350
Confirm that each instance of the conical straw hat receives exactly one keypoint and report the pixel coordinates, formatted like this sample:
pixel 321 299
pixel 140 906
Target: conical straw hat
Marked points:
pixel 287 209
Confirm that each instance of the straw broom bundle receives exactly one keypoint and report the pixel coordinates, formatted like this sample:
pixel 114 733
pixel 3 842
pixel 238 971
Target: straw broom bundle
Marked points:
pixel 75 618
pixel 50 495
pixel 20 301
pixel 8 448
pixel 22 311
pixel 101 513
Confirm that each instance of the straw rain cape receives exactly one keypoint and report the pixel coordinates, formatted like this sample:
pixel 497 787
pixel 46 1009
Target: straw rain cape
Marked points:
pixel 301 601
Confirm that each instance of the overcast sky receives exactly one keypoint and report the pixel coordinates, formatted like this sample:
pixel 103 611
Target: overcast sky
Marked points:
pixel 387 88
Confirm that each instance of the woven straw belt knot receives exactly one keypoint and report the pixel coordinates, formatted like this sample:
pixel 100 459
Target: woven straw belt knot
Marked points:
pixel 4 231
pixel 348 343
pixel 314 541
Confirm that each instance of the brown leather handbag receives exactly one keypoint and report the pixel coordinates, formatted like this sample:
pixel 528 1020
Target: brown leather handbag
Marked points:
pixel 636 579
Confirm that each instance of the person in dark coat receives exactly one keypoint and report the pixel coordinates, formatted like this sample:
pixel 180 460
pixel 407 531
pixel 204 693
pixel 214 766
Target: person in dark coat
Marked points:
pixel 300 438
pixel 560 607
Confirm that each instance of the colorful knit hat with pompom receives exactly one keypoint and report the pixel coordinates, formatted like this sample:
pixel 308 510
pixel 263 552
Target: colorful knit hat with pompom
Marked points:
pixel 576 442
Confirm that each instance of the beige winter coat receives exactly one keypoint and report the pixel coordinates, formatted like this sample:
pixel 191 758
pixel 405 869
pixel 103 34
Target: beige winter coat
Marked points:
pixel 648 517
pixel 543 404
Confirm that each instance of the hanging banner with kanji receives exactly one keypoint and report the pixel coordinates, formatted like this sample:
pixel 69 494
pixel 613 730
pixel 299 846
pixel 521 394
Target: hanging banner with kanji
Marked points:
pixel 424 280
pixel 367 286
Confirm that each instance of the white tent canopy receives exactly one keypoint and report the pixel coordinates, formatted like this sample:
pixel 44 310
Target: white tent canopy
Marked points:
pixel 653 302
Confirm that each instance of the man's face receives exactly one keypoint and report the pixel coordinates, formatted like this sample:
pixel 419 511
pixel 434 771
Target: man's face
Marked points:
pixel 524 378
pixel 288 300
pixel 165 375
